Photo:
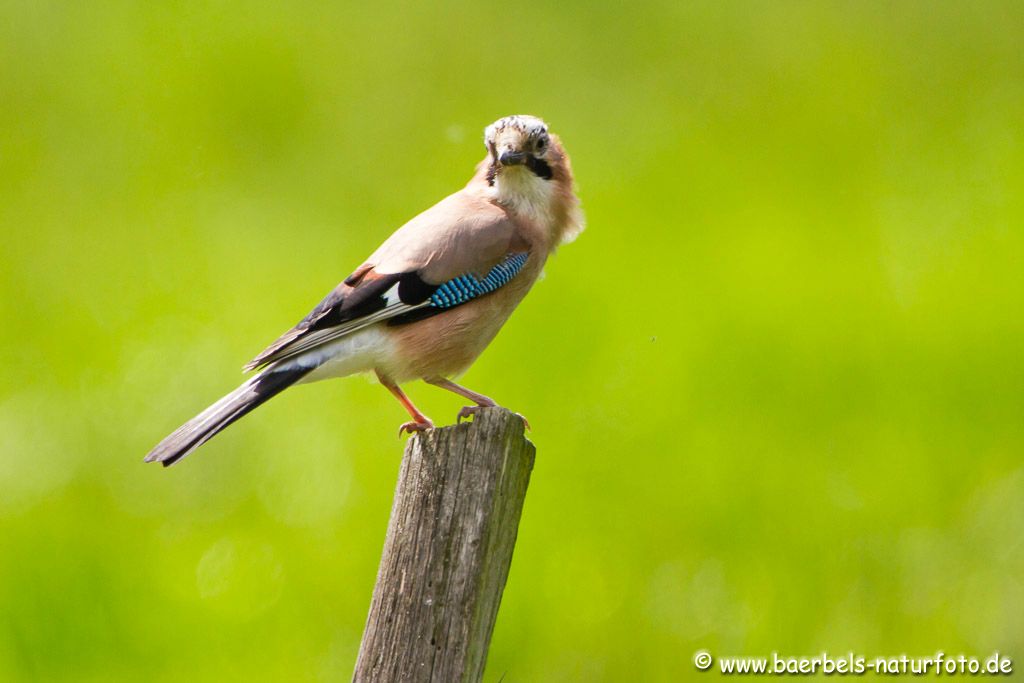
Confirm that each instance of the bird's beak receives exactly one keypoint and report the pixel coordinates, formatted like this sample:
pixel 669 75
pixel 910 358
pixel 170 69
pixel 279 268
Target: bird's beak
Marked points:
pixel 511 157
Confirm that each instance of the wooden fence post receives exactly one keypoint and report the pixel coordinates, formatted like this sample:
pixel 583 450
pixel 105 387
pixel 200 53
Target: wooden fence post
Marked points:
pixel 447 552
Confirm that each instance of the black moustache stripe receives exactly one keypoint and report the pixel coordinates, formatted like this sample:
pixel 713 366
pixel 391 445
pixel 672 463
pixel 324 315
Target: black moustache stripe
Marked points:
pixel 539 167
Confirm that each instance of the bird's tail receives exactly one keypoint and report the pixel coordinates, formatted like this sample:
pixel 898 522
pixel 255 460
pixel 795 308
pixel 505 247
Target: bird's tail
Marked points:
pixel 211 421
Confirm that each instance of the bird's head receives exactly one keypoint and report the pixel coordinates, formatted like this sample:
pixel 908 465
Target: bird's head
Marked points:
pixel 529 172
pixel 519 143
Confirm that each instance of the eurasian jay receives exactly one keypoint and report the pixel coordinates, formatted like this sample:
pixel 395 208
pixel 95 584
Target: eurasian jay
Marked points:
pixel 432 297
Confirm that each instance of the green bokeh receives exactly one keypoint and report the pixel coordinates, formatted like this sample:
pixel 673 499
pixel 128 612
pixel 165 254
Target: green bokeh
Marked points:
pixel 777 386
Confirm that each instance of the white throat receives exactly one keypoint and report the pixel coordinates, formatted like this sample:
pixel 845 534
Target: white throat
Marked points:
pixel 519 189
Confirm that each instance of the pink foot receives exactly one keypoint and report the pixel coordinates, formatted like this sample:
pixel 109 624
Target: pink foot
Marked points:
pixel 469 411
pixel 413 427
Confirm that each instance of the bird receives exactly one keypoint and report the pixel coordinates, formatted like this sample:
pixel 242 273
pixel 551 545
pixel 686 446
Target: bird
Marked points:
pixel 432 297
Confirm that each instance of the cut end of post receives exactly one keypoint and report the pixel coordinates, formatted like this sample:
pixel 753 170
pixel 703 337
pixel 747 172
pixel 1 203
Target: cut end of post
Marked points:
pixel 490 422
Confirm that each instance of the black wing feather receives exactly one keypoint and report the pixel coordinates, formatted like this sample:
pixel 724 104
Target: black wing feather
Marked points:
pixel 345 303
pixel 365 298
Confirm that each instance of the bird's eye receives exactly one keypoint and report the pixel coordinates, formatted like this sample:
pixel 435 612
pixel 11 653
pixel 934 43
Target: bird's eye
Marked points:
pixel 541 144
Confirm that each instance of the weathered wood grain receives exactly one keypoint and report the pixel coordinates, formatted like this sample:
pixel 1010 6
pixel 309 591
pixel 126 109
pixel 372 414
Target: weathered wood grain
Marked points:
pixel 447 552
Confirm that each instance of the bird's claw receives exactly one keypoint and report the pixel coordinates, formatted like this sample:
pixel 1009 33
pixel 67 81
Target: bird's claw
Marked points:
pixel 413 427
pixel 466 413
pixel 469 411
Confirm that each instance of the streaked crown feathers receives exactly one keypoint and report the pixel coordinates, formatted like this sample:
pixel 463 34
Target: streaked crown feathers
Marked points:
pixel 528 126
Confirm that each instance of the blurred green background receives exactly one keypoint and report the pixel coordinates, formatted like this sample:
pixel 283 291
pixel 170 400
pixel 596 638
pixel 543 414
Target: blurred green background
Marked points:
pixel 777 386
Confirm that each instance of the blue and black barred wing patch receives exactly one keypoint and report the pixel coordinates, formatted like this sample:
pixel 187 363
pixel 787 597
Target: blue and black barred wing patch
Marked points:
pixel 468 287
pixel 431 300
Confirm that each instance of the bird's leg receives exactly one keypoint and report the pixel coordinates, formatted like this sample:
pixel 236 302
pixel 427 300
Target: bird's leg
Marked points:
pixel 480 400
pixel 420 422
